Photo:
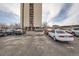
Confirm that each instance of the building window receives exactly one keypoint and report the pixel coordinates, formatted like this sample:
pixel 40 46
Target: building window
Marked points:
pixel 31 14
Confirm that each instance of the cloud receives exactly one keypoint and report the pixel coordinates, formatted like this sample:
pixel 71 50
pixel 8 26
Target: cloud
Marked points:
pixel 67 14
pixel 50 10
pixel 73 16
pixel 9 13
pixel 10 7
pixel 8 18
pixel 63 14
pixel 45 16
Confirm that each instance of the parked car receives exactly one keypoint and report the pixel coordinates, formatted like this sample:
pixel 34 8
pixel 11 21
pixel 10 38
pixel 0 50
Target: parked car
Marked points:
pixel 75 31
pixel 61 35
pixel 38 29
pixel 14 31
pixel 9 31
pixel 2 33
pixel 69 31
pixel 46 30
pixel 18 32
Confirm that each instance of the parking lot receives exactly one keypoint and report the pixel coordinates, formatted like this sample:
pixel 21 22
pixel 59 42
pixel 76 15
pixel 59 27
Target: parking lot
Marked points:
pixel 37 44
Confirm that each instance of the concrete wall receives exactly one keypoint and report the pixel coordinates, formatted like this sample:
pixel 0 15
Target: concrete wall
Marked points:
pixel 37 14
pixel 21 15
pixel 26 15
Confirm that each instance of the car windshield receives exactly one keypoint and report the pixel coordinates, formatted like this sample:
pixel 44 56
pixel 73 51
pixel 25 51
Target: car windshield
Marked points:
pixel 60 31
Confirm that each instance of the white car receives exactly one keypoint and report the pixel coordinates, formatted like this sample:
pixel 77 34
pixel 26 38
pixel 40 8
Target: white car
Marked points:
pixel 61 35
pixel 75 31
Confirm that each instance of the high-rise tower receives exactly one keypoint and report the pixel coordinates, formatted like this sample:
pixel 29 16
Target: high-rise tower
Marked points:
pixel 31 15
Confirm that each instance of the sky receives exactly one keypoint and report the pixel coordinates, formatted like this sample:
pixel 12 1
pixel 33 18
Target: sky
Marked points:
pixel 60 14
pixel 52 13
pixel 9 13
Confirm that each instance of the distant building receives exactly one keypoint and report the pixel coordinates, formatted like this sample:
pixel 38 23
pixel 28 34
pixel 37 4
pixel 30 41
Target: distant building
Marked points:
pixel 55 26
pixel 31 15
pixel 69 27
pixel 64 27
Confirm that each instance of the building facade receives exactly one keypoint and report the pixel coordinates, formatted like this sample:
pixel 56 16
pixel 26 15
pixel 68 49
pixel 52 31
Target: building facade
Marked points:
pixel 31 15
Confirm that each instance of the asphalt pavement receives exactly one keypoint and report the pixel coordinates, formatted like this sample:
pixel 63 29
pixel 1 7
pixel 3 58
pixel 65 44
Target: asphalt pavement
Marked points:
pixel 37 44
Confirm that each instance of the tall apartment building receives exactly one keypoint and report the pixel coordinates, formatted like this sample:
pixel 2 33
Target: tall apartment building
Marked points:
pixel 31 15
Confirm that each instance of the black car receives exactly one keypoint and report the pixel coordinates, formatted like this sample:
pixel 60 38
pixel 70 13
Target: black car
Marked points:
pixel 14 32
pixel 2 33
pixel 9 31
